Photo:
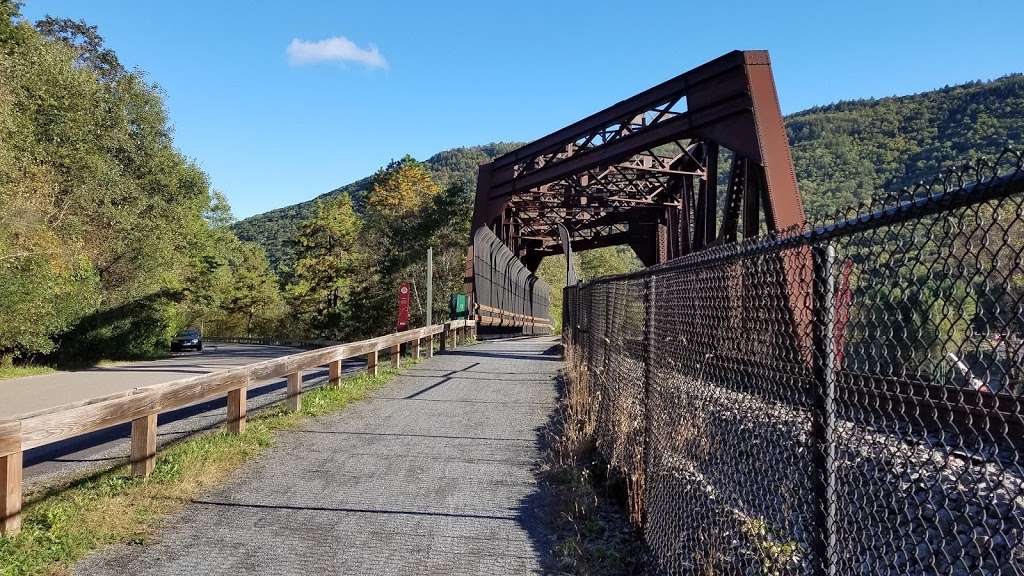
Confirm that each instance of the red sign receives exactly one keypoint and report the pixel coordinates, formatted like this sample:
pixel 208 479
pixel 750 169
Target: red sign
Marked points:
pixel 403 306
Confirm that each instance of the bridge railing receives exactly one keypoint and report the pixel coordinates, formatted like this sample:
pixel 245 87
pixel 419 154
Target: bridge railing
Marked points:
pixel 140 406
pixel 845 399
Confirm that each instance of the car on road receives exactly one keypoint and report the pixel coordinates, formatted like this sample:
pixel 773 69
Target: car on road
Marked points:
pixel 188 339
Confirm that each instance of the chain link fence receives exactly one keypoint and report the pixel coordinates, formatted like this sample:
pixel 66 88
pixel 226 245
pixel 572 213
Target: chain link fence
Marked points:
pixel 843 399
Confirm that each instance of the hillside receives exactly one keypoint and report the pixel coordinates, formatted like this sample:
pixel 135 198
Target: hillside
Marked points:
pixel 843 152
pixel 275 229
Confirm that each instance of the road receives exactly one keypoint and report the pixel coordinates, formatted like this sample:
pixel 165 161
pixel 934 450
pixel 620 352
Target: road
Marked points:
pixel 104 448
pixel 434 473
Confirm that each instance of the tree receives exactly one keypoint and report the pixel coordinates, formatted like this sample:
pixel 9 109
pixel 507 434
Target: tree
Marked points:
pixel 402 198
pixel 109 237
pixel 445 227
pixel 255 296
pixel 400 190
pixel 327 267
pixel 87 42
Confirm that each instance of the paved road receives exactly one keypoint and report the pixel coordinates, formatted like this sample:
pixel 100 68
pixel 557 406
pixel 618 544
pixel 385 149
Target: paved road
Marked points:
pixel 107 447
pixel 432 475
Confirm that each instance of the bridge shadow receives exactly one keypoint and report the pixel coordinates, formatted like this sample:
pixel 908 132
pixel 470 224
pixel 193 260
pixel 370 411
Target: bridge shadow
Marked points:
pixel 344 509
pixel 504 356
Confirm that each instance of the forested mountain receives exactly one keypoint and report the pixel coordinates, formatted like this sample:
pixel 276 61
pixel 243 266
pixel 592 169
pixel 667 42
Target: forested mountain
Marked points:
pixel 843 153
pixel 276 229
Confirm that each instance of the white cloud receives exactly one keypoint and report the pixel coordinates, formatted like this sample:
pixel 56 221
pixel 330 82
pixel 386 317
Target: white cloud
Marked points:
pixel 337 49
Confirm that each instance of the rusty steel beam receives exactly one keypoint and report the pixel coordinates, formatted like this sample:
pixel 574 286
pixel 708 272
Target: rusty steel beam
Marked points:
pixel 644 172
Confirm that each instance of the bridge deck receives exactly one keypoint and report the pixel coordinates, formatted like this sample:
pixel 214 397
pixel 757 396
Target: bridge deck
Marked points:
pixel 433 474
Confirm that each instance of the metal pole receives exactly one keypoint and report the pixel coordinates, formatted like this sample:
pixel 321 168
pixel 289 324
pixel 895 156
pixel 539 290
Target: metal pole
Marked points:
pixel 823 417
pixel 647 447
pixel 430 286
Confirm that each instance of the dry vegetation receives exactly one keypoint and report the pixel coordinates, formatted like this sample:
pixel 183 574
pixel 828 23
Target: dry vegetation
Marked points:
pixel 595 536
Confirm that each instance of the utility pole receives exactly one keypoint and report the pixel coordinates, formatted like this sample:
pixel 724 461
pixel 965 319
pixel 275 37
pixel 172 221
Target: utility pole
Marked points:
pixel 430 286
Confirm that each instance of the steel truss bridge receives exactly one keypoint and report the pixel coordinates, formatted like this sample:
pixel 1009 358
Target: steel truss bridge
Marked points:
pixel 696 161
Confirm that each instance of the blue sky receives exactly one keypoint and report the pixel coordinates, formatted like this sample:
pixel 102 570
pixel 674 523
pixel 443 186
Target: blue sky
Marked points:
pixel 274 125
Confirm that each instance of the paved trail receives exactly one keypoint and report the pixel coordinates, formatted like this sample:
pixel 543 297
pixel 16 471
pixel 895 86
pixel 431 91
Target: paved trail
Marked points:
pixel 433 475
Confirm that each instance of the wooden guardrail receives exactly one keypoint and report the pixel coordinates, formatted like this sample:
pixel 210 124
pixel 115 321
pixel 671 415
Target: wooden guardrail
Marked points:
pixel 140 406
pixel 307 344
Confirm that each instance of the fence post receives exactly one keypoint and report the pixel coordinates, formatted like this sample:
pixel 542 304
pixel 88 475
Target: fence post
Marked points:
pixel 648 353
pixel 334 373
pixel 10 478
pixel 371 363
pixel 823 414
pixel 295 391
pixel 143 446
pixel 416 349
pixel 445 336
pixel 430 286
pixel 396 356
pixel 236 410
pixel 430 346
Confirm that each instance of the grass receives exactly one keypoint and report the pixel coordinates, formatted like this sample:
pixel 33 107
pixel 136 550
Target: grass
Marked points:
pixel 63 524
pixel 8 372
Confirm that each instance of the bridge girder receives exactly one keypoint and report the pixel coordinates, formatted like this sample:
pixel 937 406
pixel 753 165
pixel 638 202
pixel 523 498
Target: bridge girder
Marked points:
pixel 645 171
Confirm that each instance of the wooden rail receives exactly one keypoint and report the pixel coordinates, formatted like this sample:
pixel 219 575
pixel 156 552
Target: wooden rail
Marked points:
pixel 140 406
pixel 308 344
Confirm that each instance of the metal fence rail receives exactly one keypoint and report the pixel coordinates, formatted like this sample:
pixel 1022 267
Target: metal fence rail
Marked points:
pixel 507 294
pixel 844 399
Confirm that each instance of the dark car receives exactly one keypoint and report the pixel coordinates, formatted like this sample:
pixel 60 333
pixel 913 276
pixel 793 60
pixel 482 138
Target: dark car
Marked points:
pixel 189 339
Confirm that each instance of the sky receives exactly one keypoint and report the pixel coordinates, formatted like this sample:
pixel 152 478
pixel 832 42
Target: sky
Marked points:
pixel 280 102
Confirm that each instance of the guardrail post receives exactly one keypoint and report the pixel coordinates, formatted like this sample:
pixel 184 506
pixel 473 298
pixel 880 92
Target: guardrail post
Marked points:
pixel 10 478
pixel 416 349
pixel 334 373
pixel 143 447
pixel 236 410
pixel 445 335
pixel 10 491
pixel 430 346
pixel 371 363
pixel 295 391
pixel 396 355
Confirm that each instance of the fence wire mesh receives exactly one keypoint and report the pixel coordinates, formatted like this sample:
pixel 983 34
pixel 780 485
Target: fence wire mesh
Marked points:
pixel 844 399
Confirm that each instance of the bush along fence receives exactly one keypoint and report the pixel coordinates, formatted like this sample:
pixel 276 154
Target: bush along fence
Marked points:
pixel 842 399
pixel 141 406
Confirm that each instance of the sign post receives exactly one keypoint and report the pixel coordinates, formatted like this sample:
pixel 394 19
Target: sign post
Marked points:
pixel 403 307
pixel 430 286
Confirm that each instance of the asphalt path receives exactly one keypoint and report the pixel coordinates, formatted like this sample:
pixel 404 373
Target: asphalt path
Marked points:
pixel 108 447
pixel 433 473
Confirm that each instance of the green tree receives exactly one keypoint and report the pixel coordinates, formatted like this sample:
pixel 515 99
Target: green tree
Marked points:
pixel 327 268
pixel 255 297
pixel 109 237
